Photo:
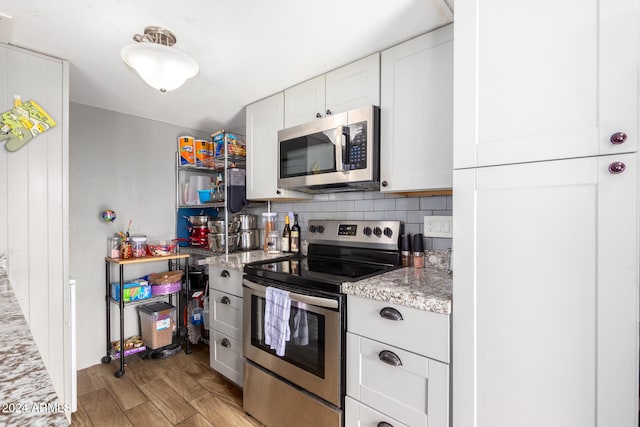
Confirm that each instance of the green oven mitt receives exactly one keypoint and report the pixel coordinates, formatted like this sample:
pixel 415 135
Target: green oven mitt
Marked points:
pixel 22 123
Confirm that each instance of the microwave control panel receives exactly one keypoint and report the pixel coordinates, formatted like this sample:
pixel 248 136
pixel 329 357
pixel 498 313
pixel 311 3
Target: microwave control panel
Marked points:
pixel 358 155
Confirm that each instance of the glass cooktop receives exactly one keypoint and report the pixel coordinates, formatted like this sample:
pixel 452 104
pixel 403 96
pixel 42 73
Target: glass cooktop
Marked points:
pixel 319 273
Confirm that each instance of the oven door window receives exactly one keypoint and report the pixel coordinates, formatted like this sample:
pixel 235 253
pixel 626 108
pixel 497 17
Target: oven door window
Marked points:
pixel 308 155
pixel 306 347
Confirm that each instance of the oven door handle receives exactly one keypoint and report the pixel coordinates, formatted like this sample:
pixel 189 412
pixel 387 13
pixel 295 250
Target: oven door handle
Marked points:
pixel 304 299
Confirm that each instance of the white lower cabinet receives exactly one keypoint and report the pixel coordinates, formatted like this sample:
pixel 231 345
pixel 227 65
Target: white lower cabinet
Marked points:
pixel 359 415
pixel 225 306
pixel 227 314
pixel 398 383
pixel 226 356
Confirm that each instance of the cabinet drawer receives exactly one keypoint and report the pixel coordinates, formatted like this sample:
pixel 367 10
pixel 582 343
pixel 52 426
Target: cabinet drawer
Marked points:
pixel 358 415
pixel 414 391
pixel 227 314
pixel 419 331
pixel 226 280
pixel 226 357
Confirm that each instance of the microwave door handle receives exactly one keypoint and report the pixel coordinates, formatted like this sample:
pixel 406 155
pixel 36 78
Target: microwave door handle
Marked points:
pixel 339 149
pixel 345 142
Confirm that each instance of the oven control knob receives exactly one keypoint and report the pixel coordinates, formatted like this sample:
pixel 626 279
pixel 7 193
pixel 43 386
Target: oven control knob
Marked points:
pixel 312 228
pixel 377 231
pixel 321 229
pixel 388 232
pixel 367 231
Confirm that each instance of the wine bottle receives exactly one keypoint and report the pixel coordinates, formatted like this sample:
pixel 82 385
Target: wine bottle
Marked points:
pixel 295 235
pixel 286 235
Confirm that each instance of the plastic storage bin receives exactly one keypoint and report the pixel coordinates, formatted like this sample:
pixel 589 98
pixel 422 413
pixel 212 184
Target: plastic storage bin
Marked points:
pixel 157 324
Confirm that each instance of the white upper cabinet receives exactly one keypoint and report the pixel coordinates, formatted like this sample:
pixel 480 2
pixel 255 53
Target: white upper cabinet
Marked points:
pixel 544 80
pixel 305 102
pixel 264 119
pixel 352 86
pixel 416 114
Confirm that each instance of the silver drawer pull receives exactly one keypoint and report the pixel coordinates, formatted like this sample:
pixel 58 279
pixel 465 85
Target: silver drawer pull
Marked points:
pixel 225 300
pixel 384 424
pixel 391 314
pixel 225 343
pixel 390 358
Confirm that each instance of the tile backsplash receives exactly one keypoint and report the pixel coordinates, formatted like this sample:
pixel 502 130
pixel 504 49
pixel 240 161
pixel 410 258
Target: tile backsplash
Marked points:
pixel 370 205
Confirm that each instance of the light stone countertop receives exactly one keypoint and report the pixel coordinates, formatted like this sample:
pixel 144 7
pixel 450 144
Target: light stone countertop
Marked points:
pixel 27 396
pixel 238 259
pixel 427 289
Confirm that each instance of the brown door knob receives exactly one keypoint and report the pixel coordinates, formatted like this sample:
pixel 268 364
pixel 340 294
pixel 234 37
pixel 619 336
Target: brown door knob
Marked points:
pixel 617 167
pixel 618 138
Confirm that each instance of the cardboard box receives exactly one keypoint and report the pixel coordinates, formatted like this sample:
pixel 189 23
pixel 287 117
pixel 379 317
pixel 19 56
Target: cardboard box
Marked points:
pixel 134 290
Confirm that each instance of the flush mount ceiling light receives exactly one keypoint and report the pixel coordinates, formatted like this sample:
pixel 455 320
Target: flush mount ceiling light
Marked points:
pixel 161 66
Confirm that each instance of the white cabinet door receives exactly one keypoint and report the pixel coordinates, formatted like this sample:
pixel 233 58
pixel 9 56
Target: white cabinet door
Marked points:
pixel 304 102
pixel 353 86
pixel 358 415
pixel 227 314
pixel 264 119
pixel 401 384
pixel 226 280
pixel 544 80
pixel 416 114
pixel 226 357
pixel 545 321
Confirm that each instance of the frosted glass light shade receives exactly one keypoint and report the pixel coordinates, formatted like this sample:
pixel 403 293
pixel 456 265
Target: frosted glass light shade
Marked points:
pixel 161 67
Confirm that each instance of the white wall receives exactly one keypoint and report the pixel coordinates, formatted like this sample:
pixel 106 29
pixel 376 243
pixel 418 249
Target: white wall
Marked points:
pixel 127 164
pixel 34 210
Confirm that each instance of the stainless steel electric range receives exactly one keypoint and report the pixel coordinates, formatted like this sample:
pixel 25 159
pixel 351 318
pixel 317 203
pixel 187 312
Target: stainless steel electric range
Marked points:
pixel 306 385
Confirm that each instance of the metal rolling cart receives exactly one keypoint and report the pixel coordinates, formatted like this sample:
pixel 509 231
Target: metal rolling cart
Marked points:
pixel 173 262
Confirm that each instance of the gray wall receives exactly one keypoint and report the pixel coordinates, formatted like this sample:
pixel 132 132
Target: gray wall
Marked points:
pixel 127 164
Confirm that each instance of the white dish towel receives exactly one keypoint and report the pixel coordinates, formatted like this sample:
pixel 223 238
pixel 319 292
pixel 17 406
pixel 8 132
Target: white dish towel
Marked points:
pixel 300 333
pixel 276 319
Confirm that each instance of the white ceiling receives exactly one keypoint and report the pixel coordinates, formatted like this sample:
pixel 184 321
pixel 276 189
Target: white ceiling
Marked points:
pixel 247 49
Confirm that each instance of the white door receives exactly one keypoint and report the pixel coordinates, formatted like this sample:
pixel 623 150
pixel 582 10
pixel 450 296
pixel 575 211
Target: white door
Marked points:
pixel 304 102
pixel 416 114
pixel 353 86
pixel 545 330
pixel 264 119
pixel 544 80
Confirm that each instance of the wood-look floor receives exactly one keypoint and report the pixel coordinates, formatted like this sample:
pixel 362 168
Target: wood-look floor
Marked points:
pixel 181 390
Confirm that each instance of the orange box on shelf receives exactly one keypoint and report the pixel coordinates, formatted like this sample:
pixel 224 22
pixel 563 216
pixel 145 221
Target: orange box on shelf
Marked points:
pixel 186 148
pixel 202 153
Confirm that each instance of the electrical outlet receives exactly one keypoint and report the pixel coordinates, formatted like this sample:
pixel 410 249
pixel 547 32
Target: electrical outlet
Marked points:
pixel 438 226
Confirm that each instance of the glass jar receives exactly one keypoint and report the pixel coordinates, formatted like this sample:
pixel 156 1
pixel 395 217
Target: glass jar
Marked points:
pixel 113 247
pixel 269 224
pixel 138 247
pixel 273 242
pixel 125 249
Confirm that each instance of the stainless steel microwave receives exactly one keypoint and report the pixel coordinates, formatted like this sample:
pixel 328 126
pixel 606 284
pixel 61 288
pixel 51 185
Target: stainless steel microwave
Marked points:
pixel 337 153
